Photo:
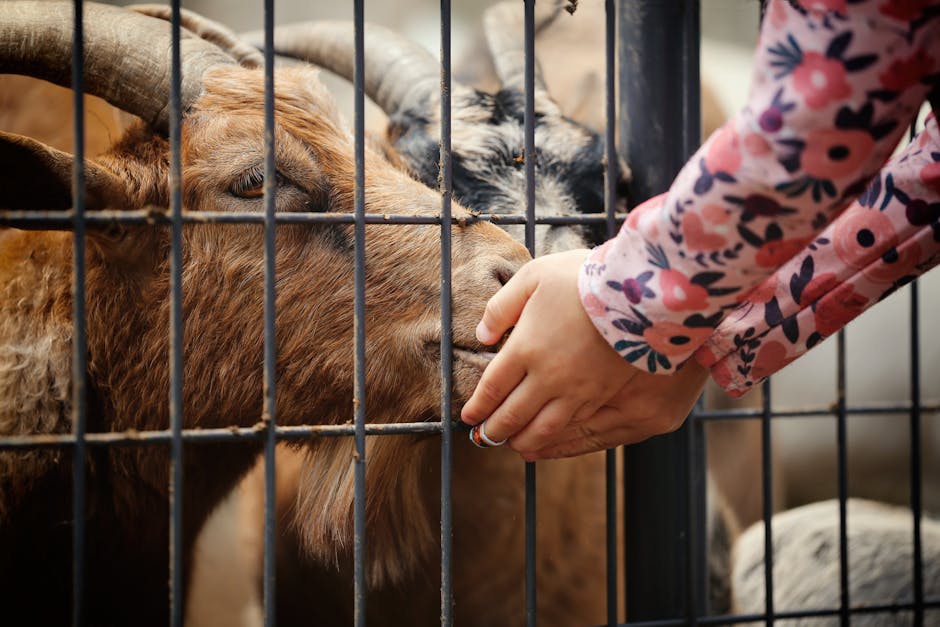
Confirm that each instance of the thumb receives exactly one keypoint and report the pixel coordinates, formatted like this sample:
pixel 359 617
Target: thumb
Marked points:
pixel 504 308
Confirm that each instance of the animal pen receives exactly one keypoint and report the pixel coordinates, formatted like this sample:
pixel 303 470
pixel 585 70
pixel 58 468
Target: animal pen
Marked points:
pixel 652 79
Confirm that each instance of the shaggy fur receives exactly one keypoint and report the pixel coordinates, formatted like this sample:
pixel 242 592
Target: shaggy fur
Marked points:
pixel 128 313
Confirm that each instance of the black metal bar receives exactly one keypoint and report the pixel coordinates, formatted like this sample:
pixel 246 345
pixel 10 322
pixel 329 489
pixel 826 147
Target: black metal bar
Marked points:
pixel 659 42
pixel 447 358
pixel 843 480
pixel 916 461
pixel 269 409
pixel 610 207
pixel 177 594
pixel 259 432
pixel 359 384
pixel 52 220
pixel 79 341
pixel 530 161
pixel 767 485
pixel 818 412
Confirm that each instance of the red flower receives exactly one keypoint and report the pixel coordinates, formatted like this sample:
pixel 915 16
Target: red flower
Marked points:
pixel 775 253
pixel 817 288
pixel 861 235
pixel 671 338
pixel 697 237
pixel 680 293
pixel 895 263
pixel 906 72
pixel 821 80
pixel 839 6
pixel 836 309
pixel 724 151
pixel 930 175
pixel 763 293
pixel 835 153
pixel 771 357
pixel 904 10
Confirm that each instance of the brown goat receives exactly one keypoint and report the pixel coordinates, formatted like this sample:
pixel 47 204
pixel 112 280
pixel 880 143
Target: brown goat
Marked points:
pixel 128 314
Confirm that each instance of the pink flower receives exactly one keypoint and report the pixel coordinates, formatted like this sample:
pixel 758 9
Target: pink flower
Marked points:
pixel 904 10
pixel 680 293
pixel 771 357
pixel 836 309
pixel 724 152
pixel 930 175
pixel 835 153
pixel 906 72
pixel 817 288
pixel 593 305
pixel 861 235
pixel 839 6
pixel 821 80
pixel 671 338
pixel 775 253
pixel 697 238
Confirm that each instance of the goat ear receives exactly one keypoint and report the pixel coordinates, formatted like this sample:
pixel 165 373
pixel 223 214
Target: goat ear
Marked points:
pixel 34 176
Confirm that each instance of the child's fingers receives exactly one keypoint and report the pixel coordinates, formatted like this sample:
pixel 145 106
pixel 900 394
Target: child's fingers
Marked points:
pixel 505 307
pixel 521 405
pixel 501 376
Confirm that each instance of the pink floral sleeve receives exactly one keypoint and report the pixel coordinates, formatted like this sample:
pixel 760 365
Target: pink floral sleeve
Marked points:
pixel 885 239
pixel 836 83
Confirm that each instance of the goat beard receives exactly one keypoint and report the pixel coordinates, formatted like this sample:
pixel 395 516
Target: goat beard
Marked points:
pixel 400 480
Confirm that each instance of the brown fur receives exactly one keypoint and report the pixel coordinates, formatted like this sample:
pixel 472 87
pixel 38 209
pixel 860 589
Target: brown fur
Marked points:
pixel 128 313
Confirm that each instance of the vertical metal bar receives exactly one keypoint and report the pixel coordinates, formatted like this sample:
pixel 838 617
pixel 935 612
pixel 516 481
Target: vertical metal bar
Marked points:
pixel 359 385
pixel 530 160
pixel 916 470
pixel 79 341
pixel 269 410
pixel 176 329
pixel 446 178
pixel 767 489
pixel 659 41
pixel 843 482
pixel 610 207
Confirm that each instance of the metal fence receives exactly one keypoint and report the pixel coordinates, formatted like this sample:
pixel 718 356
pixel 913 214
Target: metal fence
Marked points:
pixel 665 572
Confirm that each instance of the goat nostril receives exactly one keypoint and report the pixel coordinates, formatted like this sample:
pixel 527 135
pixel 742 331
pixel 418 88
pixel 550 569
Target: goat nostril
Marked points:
pixel 503 274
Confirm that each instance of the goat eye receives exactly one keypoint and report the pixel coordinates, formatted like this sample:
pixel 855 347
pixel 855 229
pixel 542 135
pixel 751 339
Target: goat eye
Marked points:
pixel 251 184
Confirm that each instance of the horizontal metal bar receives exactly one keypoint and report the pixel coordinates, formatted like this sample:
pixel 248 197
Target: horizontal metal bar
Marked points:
pixel 734 619
pixel 826 412
pixel 257 432
pixel 63 219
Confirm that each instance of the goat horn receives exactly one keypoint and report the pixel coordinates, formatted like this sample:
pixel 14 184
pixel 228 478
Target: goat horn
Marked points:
pixel 398 73
pixel 245 54
pixel 127 55
pixel 504 27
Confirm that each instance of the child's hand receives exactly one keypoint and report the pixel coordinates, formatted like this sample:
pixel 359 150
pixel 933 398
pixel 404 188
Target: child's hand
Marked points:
pixel 554 369
pixel 647 405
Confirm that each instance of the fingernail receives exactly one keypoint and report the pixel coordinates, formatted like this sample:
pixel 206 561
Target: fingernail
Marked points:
pixel 485 335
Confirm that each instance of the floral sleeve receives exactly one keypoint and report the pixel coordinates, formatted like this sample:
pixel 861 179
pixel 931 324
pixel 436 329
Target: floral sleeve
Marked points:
pixel 835 84
pixel 885 239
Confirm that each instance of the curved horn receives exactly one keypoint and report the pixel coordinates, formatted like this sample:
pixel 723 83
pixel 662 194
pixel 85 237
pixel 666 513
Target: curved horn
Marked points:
pixel 504 27
pixel 398 73
pixel 127 55
pixel 210 30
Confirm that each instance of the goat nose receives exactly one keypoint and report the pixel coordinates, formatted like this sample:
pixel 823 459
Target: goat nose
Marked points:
pixel 502 273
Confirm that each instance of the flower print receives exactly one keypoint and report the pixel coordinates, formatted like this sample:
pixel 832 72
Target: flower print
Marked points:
pixel 930 174
pixel 754 205
pixel 903 73
pixel 679 293
pixel 774 253
pixel 904 10
pixel 771 119
pixel 634 289
pixel 721 373
pixel 834 311
pixel 897 262
pixel 593 305
pixel 756 144
pixel 771 357
pixel 697 238
pixel 821 80
pixel 672 339
pixel 861 235
pixel 835 153
pixel 817 288
pixel 724 154
pixel 919 212
pixel 838 6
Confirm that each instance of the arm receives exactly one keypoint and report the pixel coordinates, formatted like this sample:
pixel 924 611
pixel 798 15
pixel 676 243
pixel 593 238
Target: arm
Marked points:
pixel 885 239
pixel 831 95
